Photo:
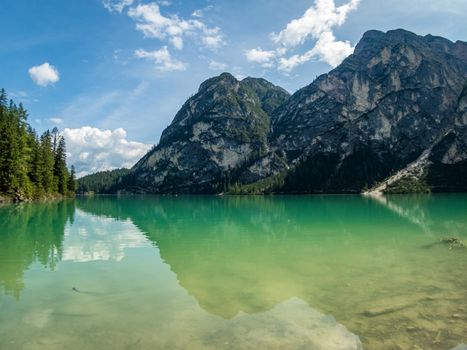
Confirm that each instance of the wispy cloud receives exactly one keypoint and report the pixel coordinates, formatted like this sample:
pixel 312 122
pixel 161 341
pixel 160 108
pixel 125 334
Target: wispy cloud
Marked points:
pixel 118 108
pixel 317 23
pixel 56 121
pixel 117 5
pixel 172 28
pixel 197 13
pixel 162 58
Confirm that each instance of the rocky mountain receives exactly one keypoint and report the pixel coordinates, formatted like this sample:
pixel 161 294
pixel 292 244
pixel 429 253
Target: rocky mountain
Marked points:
pixel 392 114
pixel 442 167
pixel 447 167
pixel 374 114
pixel 216 132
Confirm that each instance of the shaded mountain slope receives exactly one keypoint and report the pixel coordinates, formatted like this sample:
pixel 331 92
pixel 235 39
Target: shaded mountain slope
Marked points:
pixel 374 114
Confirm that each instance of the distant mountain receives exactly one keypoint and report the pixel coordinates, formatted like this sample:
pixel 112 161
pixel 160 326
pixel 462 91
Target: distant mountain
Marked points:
pixel 391 118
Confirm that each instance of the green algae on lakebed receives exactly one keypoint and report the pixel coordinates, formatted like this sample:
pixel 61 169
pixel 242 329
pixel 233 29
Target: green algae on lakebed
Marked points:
pixel 308 272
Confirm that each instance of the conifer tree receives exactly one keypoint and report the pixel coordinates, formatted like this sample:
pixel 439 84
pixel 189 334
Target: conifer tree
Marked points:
pixel 47 157
pixel 60 169
pixel 30 166
pixel 37 164
pixel 72 180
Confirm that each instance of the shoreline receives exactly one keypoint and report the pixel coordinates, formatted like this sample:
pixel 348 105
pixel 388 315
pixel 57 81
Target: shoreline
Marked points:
pixel 8 199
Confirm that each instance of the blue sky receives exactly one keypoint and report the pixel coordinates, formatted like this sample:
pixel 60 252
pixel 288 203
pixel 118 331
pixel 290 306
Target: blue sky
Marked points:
pixel 113 73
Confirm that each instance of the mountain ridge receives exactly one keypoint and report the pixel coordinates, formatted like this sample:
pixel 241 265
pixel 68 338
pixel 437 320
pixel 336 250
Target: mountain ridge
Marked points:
pixel 397 97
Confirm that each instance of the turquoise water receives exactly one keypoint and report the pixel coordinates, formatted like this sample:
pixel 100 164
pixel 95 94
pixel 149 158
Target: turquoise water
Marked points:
pixel 323 272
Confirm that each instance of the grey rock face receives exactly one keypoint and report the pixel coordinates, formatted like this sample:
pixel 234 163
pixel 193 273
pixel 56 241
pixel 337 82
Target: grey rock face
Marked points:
pixel 374 114
pixel 223 126
pixel 447 169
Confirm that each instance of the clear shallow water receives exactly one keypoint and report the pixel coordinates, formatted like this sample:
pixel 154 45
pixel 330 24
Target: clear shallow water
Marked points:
pixel 331 272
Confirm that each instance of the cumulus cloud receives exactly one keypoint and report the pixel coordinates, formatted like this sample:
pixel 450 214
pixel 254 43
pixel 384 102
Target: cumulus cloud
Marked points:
pixel 44 75
pixel 317 19
pixel 91 149
pixel 172 28
pixel 117 5
pixel 162 58
pixel 317 23
pixel 326 49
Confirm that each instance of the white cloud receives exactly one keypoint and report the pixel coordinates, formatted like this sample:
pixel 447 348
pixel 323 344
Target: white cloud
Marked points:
pixel 317 23
pixel 56 121
pixel 172 28
pixel 317 20
pixel 91 149
pixel 212 38
pixel 331 51
pixel 217 66
pixel 197 13
pixel 327 49
pixel 18 94
pixel 162 58
pixel 265 58
pixel 117 5
pixel 44 75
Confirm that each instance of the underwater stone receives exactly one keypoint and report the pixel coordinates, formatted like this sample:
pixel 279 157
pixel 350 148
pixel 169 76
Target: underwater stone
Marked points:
pixel 460 347
pixel 290 325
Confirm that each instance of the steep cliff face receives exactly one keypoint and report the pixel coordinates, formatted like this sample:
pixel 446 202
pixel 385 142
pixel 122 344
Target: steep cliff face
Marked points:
pixel 440 168
pixel 447 166
pixel 218 130
pixel 374 114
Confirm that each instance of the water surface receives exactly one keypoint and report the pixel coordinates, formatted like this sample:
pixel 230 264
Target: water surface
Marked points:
pixel 323 272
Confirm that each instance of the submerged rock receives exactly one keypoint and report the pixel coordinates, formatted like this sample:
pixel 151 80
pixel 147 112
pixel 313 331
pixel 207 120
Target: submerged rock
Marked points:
pixel 460 347
pixel 290 325
pixel 452 242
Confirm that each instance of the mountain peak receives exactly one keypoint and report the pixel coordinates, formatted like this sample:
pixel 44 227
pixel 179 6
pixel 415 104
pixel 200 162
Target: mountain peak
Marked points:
pixel 222 79
pixel 374 39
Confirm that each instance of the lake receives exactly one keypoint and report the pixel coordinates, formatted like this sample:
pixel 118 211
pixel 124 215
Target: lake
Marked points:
pixel 302 272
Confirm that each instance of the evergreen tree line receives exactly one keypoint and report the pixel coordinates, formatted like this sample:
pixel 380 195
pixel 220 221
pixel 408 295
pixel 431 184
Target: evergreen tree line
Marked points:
pixel 31 166
pixel 105 182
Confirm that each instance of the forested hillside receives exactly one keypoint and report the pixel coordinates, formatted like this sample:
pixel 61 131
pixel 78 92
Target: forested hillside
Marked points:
pixel 31 166
pixel 104 182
